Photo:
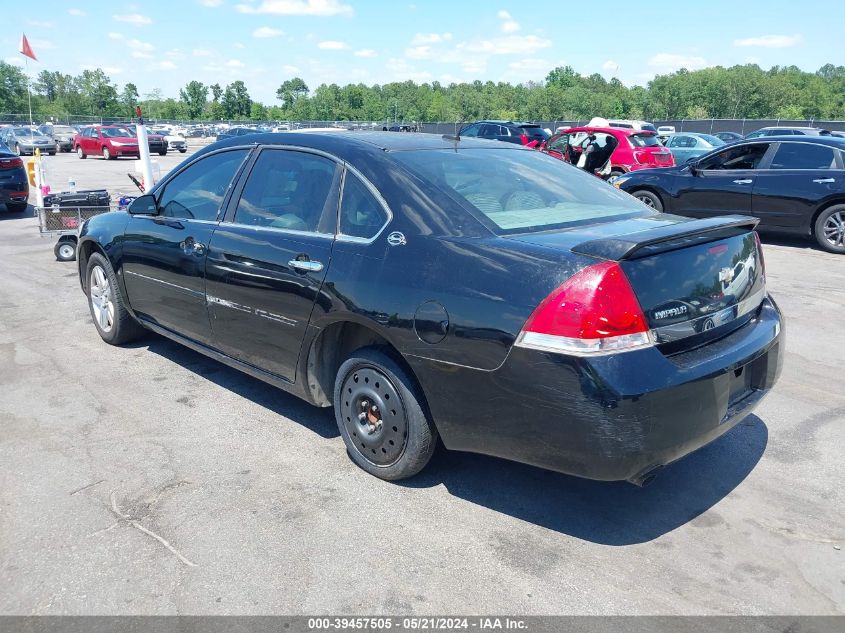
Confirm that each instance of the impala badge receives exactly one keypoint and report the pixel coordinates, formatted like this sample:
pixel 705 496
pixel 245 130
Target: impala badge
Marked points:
pixel 726 275
pixel 396 239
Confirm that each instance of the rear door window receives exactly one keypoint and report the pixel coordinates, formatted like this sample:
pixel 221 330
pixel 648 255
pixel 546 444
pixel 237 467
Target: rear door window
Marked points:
pixel 290 190
pixel 803 156
pixel 361 214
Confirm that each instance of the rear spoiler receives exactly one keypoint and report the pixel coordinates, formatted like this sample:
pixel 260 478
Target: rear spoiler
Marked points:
pixel 667 238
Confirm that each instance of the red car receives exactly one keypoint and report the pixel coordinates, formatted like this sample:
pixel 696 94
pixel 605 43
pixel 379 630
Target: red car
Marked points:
pixel 108 141
pixel 608 151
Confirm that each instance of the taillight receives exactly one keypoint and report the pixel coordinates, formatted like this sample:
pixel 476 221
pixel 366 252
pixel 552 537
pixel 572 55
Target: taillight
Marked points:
pixel 594 312
pixel 10 163
pixel 760 256
pixel 644 158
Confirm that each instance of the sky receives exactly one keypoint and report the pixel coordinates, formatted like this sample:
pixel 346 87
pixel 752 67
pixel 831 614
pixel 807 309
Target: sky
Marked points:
pixel 163 45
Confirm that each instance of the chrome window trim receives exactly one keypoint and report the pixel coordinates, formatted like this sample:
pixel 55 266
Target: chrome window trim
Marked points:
pixel 276 229
pixel 352 239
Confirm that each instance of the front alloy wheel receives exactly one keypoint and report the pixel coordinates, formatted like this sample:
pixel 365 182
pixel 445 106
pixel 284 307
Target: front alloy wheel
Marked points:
pixel 102 304
pixel 830 229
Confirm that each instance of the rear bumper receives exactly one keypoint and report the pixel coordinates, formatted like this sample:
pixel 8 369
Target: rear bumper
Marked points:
pixel 610 417
pixel 14 189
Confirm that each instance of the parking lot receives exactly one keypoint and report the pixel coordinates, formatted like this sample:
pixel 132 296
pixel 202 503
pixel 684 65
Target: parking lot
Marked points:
pixel 150 479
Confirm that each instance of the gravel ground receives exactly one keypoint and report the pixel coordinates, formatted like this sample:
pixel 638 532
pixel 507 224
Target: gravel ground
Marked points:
pixel 151 480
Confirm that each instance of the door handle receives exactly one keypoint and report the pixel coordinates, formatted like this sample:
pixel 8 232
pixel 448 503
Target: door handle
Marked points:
pixel 743 181
pixel 306 265
pixel 822 181
pixel 189 245
pixel 199 249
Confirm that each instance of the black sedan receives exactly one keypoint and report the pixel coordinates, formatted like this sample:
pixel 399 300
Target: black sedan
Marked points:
pixel 14 185
pixel 424 286
pixel 793 184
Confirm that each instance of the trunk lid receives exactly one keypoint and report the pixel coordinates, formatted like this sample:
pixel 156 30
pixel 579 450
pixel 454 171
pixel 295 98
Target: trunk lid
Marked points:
pixel 695 280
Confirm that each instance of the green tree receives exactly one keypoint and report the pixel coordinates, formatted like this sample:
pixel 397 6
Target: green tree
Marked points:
pixel 129 97
pixel 12 88
pixel 236 102
pixel 194 95
pixel 290 91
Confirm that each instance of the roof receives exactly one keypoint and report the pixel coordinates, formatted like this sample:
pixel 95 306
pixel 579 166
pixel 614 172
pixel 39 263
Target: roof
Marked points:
pixel 834 141
pixel 386 141
pixel 626 131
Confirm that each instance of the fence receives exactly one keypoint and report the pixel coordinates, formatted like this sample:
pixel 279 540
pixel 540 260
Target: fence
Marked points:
pixel 742 126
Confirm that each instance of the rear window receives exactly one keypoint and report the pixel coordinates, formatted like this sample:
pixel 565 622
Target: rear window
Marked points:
pixel 520 191
pixel 644 140
pixel 535 131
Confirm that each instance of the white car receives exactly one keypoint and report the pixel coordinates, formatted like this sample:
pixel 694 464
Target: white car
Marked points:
pixel 174 141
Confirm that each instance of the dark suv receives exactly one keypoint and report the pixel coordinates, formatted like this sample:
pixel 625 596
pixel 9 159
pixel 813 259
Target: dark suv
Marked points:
pixel 788 131
pixel 509 131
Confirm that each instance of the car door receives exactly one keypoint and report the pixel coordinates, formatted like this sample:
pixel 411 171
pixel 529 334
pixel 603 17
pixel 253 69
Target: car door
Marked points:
pixel 89 141
pixel 720 183
pixel 164 255
pixel 800 176
pixel 267 261
pixel 681 147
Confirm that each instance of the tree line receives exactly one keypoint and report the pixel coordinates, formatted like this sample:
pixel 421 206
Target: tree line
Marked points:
pixel 745 91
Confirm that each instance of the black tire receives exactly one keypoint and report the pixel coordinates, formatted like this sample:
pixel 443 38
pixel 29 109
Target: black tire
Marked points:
pixel 16 207
pixel 829 229
pixel 163 153
pixel 52 153
pixel 80 153
pixel 182 151
pixel 124 327
pixel 389 436
pixel 649 199
pixel 65 250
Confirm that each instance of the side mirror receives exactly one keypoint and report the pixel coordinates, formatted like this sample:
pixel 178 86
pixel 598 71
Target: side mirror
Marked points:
pixel 692 163
pixel 143 205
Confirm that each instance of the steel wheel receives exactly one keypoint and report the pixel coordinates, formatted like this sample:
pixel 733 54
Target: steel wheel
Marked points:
pixel 646 200
pixel 102 303
pixel 834 230
pixel 106 153
pixel 66 251
pixel 374 416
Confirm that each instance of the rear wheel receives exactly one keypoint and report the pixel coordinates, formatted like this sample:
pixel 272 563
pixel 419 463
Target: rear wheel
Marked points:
pixel 182 151
pixel 649 199
pixel 830 229
pixel 380 415
pixel 163 152
pixel 111 318
pixel 106 153
pixel 80 153
pixel 52 153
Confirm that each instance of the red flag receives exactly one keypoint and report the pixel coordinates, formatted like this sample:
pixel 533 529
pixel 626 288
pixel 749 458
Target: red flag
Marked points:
pixel 26 49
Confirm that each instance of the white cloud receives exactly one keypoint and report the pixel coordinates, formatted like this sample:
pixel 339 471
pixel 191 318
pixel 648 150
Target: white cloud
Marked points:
pixel 430 38
pixel 41 44
pixel 115 36
pixel 366 52
pixel 141 55
pixel 109 70
pixel 201 52
pixel 238 45
pixel 234 63
pixel 419 52
pixel 508 45
pixel 298 7
pixel 210 3
pixel 136 19
pixel 138 45
pixel 266 31
pixel 290 69
pixel 76 12
pixel 332 45
pixel 752 60
pixel 509 25
pixel 40 24
pixel 770 41
pixel 670 61
pixel 14 61
pixel 530 64
pixel 610 65
pixel 166 65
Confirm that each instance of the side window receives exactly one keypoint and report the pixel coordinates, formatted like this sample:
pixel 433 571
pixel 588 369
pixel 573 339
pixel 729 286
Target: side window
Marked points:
pixel 488 130
pixel 803 156
pixel 471 130
pixel 198 191
pixel 361 215
pixel 742 157
pixel 560 143
pixel 290 190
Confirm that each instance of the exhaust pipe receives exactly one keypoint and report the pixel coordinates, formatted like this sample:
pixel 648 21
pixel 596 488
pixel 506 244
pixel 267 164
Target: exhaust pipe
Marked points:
pixel 644 478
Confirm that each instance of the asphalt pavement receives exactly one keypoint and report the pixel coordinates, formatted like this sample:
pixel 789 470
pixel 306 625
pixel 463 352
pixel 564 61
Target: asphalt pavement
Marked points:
pixel 149 479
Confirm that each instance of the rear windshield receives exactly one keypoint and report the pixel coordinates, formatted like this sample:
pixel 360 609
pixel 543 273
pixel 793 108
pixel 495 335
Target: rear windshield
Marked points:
pixel 25 131
pixel 535 131
pixel 715 141
pixel 520 191
pixel 644 140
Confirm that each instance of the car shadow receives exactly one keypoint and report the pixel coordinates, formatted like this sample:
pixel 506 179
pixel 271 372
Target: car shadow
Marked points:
pixel 317 420
pixel 792 241
pixel 5 214
pixel 607 513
